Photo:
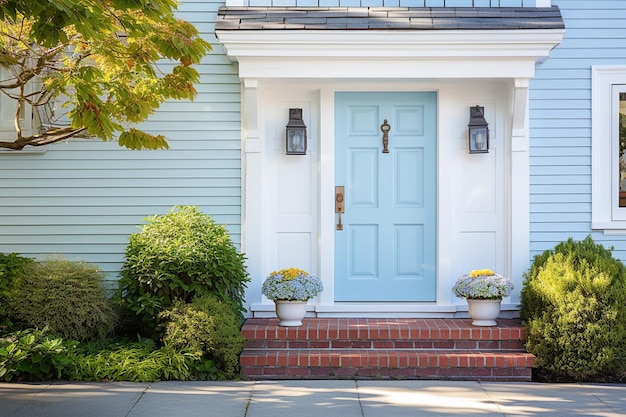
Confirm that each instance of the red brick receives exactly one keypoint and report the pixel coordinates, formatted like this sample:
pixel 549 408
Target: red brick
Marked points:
pixel 269 371
pixel 319 344
pixel 320 372
pixel 247 360
pixel 512 345
pixel 375 354
pixel 488 344
pixel 296 371
pixel 281 359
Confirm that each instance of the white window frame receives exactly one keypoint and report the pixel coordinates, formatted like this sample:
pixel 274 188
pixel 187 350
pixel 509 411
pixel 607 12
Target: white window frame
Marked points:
pixel 606 83
pixel 7 124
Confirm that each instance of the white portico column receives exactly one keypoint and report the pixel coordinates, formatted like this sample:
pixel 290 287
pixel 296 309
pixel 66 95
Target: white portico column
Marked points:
pixel 520 187
pixel 252 186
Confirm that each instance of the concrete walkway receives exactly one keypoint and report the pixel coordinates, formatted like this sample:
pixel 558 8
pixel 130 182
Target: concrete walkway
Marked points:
pixel 311 398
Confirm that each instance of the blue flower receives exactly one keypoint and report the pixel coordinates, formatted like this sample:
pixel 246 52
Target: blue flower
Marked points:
pixel 282 285
pixel 486 287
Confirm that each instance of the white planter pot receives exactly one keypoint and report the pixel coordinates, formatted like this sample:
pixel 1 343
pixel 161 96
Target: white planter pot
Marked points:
pixel 290 313
pixel 484 312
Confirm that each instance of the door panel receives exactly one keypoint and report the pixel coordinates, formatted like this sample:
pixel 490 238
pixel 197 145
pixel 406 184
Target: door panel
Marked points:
pixel 386 250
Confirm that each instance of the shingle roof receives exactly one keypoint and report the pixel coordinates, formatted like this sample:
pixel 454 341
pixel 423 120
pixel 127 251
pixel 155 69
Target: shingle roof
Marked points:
pixel 388 18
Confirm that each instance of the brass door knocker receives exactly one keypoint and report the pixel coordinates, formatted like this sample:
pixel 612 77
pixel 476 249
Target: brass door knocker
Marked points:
pixel 385 127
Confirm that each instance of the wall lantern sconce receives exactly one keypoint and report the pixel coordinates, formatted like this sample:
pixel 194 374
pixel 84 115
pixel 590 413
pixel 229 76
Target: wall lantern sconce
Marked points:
pixel 478 131
pixel 296 133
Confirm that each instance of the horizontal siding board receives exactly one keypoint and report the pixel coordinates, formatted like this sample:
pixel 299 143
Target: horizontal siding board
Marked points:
pixel 134 175
pixel 563 152
pixel 560 217
pixel 92 220
pixel 564 198
pixel 564 207
pixel 581 171
pixel 163 125
pixel 566 227
pixel 156 201
pixel 556 191
pixel 196 117
pixel 121 183
pixel 222 108
pixel 109 211
pixel 53 230
pixel 567 137
pixel 114 192
pixel 99 164
pixel 171 155
pixel 564 115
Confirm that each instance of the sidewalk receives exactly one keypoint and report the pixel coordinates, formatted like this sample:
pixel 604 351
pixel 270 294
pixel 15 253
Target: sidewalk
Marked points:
pixel 344 398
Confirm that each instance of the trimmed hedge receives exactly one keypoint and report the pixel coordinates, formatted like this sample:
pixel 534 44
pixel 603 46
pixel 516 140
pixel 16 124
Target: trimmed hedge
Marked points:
pixel 574 306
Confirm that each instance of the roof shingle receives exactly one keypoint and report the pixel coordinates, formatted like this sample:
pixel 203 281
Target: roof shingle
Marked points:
pixel 396 18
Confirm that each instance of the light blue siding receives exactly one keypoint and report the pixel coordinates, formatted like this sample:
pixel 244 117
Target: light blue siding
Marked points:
pixel 83 199
pixel 560 124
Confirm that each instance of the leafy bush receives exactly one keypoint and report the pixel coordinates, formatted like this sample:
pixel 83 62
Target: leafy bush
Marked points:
pixel 9 265
pixel 67 297
pixel 136 362
pixel 33 355
pixel 207 327
pixel 178 256
pixel 574 305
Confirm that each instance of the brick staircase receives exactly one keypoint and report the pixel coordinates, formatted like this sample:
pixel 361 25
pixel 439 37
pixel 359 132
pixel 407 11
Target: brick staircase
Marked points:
pixel 345 348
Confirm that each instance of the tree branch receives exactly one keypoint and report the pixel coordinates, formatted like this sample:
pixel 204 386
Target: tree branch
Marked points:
pixel 42 139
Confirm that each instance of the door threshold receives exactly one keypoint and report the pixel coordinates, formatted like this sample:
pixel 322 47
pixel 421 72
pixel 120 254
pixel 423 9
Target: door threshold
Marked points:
pixel 383 310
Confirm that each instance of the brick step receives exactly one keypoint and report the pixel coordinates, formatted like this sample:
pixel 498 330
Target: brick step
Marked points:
pixel 384 363
pixel 386 348
pixel 501 345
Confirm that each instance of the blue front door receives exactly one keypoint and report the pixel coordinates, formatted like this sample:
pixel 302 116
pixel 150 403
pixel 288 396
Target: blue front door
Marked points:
pixel 387 248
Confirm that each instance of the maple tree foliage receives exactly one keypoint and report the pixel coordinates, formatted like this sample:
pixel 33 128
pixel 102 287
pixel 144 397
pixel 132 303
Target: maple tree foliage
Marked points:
pixel 108 64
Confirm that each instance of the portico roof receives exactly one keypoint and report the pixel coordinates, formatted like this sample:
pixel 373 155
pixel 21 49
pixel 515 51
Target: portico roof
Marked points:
pixel 388 18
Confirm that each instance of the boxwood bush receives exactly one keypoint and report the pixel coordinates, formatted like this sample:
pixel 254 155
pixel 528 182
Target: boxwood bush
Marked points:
pixel 10 264
pixel 574 306
pixel 65 296
pixel 178 256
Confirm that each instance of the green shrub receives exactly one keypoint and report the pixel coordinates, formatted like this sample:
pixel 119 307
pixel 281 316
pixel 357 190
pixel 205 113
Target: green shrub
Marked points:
pixel 10 264
pixel 136 362
pixel 574 306
pixel 207 327
pixel 178 256
pixel 67 297
pixel 33 355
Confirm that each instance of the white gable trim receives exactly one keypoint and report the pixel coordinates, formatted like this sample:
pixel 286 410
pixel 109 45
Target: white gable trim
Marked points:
pixel 388 54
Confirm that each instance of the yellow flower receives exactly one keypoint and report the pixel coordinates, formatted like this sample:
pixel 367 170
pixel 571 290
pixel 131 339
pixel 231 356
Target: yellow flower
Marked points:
pixel 289 273
pixel 481 272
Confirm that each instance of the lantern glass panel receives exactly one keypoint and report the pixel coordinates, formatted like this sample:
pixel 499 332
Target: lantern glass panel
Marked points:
pixel 479 139
pixel 296 144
